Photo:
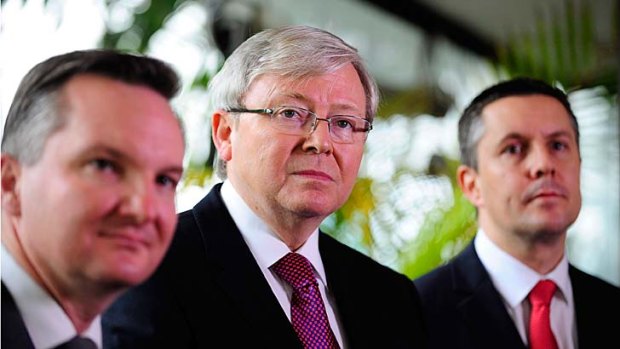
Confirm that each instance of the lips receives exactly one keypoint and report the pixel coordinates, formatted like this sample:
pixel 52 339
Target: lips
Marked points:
pixel 128 237
pixel 544 189
pixel 319 175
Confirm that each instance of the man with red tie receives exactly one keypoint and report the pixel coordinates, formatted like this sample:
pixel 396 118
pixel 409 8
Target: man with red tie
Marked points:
pixel 513 286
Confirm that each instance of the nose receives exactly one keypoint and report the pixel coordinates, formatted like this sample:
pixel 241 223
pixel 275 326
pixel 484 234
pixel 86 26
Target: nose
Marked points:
pixel 542 163
pixel 319 140
pixel 139 202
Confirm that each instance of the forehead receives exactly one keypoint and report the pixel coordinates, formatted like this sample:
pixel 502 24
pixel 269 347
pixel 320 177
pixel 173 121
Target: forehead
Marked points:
pixel 526 115
pixel 133 118
pixel 340 86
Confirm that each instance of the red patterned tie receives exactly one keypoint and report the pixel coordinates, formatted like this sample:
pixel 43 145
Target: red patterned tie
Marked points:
pixel 541 336
pixel 307 309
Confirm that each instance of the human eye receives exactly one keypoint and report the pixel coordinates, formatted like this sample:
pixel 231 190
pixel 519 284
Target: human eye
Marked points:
pixel 167 181
pixel 513 149
pixel 104 165
pixel 290 113
pixel 343 122
pixel 559 145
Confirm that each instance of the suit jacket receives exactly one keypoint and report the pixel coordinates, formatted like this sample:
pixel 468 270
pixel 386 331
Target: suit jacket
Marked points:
pixel 209 292
pixel 464 310
pixel 14 332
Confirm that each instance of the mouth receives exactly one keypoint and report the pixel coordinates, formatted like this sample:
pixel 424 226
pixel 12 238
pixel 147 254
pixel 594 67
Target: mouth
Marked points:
pixel 130 239
pixel 314 174
pixel 546 190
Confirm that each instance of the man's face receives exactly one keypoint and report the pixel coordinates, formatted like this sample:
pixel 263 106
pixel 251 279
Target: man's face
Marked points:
pixel 99 204
pixel 306 175
pixel 528 176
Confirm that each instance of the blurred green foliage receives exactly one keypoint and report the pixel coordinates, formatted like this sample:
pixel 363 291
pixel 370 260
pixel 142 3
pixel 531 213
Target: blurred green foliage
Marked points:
pixel 561 48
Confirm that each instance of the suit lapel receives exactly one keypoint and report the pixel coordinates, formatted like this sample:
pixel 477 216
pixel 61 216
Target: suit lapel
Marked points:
pixel 589 300
pixel 14 332
pixel 341 281
pixel 237 273
pixel 481 306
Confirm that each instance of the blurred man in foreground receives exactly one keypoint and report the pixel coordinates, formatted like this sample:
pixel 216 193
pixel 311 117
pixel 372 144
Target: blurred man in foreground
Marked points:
pixel 91 155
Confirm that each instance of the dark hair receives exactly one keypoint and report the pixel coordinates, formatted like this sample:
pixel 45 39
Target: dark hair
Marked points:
pixel 471 126
pixel 35 112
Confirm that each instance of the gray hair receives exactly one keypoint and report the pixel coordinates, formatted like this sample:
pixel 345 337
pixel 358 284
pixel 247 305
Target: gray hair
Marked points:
pixel 290 52
pixel 471 125
pixel 37 110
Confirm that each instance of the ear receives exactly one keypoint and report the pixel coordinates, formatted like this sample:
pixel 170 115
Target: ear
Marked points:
pixel 468 180
pixel 11 172
pixel 221 131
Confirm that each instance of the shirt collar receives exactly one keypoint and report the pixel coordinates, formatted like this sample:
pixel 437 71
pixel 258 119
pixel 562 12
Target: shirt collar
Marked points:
pixel 513 279
pixel 45 320
pixel 265 244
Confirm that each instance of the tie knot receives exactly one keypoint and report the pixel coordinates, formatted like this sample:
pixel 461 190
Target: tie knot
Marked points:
pixel 295 269
pixel 542 293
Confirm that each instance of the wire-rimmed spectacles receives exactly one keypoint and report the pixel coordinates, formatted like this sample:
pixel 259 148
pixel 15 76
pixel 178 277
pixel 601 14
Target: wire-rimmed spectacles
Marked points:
pixel 299 122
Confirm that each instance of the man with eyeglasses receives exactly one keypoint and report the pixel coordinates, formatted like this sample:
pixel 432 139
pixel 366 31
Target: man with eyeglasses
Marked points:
pixel 249 266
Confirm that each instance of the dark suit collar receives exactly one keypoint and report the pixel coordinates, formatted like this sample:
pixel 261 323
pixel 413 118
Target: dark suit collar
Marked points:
pixel 14 333
pixel 237 272
pixel 343 280
pixel 479 302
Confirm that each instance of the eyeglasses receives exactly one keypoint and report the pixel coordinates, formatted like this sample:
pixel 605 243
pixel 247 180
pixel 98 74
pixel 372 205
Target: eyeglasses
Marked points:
pixel 300 122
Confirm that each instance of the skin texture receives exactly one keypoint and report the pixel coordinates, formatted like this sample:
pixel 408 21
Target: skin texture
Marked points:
pixel 527 185
pixel 96 213
pixel 292 182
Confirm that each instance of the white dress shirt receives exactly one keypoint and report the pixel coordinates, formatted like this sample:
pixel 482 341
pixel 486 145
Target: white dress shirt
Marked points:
pixel 514 281
pixel 267 248
pixel 46 322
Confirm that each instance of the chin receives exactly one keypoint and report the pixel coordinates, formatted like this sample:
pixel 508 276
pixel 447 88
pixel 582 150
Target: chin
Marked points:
pixel 309 211
pixel 127 273
pixel 125 278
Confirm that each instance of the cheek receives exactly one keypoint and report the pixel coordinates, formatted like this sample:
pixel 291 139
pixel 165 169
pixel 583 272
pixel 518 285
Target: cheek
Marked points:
pixel 168 222
pixel 349 163
pixel 269 159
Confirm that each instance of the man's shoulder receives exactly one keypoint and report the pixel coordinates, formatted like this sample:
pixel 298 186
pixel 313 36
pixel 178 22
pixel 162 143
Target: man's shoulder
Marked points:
pixel 356 261
pixel 436 279
pixel 585 282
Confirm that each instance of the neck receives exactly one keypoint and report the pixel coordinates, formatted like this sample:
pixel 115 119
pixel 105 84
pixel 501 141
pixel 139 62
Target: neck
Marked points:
pixel 296 239
pixel 83 310
pixel 292 227
pixel 540 251
pixel 82 302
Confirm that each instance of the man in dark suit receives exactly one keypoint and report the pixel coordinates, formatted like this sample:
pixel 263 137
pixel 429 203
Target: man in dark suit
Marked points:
pixel 91 154
pixel 519 142
pixel 293 107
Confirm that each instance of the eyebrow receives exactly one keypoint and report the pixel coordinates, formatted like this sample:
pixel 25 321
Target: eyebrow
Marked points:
pixel 556 134
pixel 298 96
pixel 177 170
pixel 120 156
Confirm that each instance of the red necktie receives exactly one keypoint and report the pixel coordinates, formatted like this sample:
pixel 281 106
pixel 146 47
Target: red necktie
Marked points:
pixel 307 309
pixel 541 336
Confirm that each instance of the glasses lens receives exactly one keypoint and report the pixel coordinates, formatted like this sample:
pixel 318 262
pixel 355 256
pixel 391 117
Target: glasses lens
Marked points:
pixel 300 121
pixel 292 120
pixel 348 129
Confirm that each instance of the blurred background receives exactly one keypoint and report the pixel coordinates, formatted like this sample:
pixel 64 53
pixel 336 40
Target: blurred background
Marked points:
pixel 430 58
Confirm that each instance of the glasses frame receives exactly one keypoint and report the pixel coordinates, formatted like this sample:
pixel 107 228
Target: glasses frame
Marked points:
pixel 315 121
